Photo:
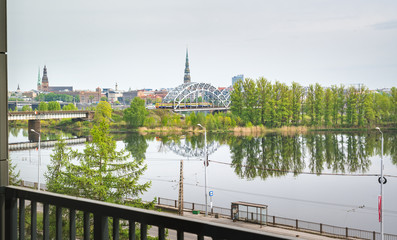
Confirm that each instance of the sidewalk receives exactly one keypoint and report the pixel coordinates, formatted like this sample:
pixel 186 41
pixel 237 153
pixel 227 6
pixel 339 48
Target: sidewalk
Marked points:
pixel 270 229
pixel 257 227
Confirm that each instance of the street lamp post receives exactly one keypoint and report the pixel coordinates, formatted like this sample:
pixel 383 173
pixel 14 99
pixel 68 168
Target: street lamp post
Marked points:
pixel 381 186
pixel 38 161
pixel 205 167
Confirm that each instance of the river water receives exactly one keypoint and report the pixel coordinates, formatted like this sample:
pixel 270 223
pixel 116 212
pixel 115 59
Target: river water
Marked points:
pixel 323 177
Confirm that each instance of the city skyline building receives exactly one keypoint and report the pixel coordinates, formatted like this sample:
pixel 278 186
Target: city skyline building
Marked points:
pixel 44 86
pixel 237 78
pixel 186 78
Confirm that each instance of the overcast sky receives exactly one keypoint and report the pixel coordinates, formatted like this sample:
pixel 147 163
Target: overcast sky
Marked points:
pixel 142 44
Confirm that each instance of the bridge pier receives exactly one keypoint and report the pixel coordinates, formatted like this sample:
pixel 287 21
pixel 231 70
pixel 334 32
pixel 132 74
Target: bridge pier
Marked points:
pixel 35 125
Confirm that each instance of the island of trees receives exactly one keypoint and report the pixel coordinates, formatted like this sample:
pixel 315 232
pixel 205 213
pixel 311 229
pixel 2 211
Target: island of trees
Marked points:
pixel 276 105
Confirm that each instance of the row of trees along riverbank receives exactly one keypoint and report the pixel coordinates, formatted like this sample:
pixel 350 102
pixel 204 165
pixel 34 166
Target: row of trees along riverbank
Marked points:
pixel 277 104
pixel 267 105
pixel 47 106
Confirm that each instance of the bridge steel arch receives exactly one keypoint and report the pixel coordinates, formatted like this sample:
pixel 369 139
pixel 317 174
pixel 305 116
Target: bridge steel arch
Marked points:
pixel 191 90
pixel 187 150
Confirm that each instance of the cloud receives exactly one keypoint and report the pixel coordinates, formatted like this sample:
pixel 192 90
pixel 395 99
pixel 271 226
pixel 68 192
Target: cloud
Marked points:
pixel 385 25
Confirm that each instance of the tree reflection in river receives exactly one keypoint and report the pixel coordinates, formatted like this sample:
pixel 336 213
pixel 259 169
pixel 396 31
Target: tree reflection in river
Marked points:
pixel 275 155
pixel 136 144
pixel 390 147
pixel 267 156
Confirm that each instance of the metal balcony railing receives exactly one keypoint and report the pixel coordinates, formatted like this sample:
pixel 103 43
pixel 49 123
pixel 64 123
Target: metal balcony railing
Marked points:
pixel 96 215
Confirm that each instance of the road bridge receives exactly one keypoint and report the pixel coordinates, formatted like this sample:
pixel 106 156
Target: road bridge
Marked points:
pixel 17 105
pixel 34 118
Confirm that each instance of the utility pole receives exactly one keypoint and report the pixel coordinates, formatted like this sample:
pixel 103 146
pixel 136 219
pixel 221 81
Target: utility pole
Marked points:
pixel 380 198
pixel 180 198
pixel 205 167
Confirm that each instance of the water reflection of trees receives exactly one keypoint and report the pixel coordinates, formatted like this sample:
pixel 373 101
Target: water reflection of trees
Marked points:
pixel 268 156
pixel 277 155
pixel 338 153
pixel 46 134
pixel 390 147
pixel 136 144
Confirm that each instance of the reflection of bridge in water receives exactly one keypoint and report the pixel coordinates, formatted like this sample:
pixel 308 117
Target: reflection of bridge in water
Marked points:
pixel 44 144
pixel 197 93
pixel 188 151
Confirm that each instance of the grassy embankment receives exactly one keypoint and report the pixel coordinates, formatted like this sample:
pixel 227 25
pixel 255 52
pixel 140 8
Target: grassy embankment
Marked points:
pixel 167 122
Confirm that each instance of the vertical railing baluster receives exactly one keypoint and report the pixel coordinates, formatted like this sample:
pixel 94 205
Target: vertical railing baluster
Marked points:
pixel 58 226
pixel 116 224
pixel 33 220
pixel 72 224
pixel 11 218
pixel 2 203
pixel 100 227
pixel 161 233
pixel 22 219
pixel 143 231
pixel 46 221
pixel 131 230
pixel 86 226
pixel 106 228
pixel 179 235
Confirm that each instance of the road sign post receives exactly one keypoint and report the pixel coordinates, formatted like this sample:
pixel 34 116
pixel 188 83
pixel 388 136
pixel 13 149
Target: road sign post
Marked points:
pixel 211 193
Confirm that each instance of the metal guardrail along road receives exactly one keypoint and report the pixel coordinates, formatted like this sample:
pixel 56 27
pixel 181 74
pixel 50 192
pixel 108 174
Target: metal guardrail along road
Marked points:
pixel 293 224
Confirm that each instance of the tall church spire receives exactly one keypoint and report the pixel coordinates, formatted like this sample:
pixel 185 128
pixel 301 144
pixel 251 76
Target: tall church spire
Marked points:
pixel 39 81
pixel 45 77
pixel 186 78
